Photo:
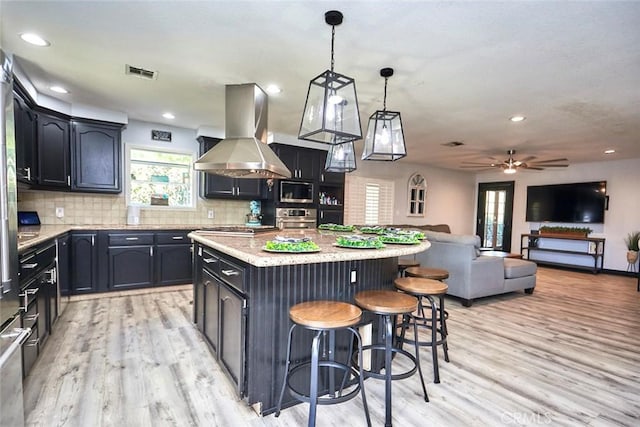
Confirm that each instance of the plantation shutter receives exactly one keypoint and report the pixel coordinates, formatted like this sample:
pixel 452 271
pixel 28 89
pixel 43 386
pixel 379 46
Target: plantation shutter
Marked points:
pixel 368 201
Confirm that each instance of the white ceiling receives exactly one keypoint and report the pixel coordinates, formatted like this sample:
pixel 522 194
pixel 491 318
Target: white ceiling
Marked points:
pixel 461 68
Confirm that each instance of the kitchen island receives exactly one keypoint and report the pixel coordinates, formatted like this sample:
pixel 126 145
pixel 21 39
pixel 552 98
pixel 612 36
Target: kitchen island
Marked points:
pixel 242 296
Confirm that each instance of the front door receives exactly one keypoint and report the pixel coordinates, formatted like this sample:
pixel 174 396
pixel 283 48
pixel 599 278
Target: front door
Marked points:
pixel 495 214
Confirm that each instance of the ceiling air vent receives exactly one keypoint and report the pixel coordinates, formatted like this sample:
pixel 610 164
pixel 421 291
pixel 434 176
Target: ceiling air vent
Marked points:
pixel 140 72
pixel 453 144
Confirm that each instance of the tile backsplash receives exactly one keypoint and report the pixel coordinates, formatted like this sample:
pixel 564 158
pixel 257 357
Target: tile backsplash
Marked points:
pixel 107 209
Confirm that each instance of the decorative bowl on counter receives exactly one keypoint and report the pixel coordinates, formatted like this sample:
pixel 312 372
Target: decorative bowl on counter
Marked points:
pixel 336 227
pixel 358 242
pixel 291 245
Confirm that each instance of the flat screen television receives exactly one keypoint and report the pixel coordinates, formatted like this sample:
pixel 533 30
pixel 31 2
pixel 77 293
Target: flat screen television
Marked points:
pixel 581 202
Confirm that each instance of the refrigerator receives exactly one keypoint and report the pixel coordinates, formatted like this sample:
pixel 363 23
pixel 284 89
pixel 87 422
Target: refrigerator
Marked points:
pixel 12 336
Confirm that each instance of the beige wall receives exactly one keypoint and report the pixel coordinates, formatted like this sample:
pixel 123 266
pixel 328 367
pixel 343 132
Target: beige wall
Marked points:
pixel 450 194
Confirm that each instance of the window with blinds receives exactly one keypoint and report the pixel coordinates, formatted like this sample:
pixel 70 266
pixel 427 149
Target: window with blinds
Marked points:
pixel 368 201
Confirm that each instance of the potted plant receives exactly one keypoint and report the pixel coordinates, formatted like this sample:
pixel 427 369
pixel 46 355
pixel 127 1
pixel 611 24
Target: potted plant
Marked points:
pixel 632 246
pixel 565 231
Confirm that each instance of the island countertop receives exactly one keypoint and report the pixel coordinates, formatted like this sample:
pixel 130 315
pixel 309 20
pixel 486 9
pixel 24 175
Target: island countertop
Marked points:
pixel 249 249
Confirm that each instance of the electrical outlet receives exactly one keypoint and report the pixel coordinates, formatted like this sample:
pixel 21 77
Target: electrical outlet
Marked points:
pixel 353 276
pixel 59 212
pixel 210 214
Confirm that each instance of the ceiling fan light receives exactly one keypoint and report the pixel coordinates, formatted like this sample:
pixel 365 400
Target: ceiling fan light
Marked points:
pixel 510 170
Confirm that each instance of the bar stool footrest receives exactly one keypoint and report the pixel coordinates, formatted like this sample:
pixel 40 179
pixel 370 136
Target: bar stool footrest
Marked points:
pixel 395 351
pixel 324 400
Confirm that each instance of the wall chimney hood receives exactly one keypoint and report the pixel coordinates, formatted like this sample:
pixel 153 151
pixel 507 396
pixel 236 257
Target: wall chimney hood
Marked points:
pixel 244 152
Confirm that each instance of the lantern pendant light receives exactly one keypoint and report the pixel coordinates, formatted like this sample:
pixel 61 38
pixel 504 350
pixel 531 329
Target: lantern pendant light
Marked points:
pixel 341 158
pixel 385 138
pixel 331 113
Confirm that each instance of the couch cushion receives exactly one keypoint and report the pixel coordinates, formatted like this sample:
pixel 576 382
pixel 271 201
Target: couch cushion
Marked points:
pixel 514 267
pixel 463 239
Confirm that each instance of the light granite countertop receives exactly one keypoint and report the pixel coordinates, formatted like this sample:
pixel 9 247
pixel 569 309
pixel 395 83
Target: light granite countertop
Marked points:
pixel 249 249
pixel 32 236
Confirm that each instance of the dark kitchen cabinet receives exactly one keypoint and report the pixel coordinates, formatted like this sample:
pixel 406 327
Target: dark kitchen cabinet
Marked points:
pixel 64 257
pixel 54 169
pixel 303 162
pixel 130 260
pixel 221 311
pixel 26 141
pixel 211 313
pixel 84 262
pixel 232 332
pixel 330 216
pixel 172 258
pixel 328 177
pixel 95 151
pixel 223 187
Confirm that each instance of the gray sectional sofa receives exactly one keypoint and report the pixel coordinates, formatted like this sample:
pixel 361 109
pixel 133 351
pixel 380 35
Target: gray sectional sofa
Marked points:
pixel 472 275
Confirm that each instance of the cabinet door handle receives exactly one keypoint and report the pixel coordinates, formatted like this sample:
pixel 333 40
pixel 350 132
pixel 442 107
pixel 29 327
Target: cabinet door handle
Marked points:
pixel 209 260
pixel 69 180
pixel 32 318
pixel 178 237
pixel 150 250
pixel 30 266
pixel 131 238
pixel 28 171
pixel 230 272
pixel 32 343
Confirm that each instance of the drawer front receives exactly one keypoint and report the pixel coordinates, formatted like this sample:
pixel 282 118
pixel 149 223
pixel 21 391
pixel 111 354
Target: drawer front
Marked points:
pixel 210 261
pixel 34 261
pixel 232 274
pixel 130 239
pixel 30 318
pixel 169 238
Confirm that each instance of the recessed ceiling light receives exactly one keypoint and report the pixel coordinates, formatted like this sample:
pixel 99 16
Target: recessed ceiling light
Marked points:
pixel 169 116
pixel 59 89
pixel 273 89
pixel 609 151
pixel 516 119
pixel 34 39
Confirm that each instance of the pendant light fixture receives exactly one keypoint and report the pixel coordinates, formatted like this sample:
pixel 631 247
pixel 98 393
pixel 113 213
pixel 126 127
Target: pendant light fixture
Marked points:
pixel 331 113
pixel 385 138
pixel 341 158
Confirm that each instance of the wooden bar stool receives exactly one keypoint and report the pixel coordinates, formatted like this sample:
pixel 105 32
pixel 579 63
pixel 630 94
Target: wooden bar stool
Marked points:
pixel 427 272
pixel 325 317
pixel 390 304
pixel 427 288
pixel 404 263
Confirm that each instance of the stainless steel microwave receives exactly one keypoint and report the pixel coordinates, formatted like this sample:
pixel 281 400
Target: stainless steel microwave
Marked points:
pixel 296 192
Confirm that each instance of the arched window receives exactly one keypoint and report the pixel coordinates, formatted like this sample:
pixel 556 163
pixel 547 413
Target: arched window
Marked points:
pixel 417 193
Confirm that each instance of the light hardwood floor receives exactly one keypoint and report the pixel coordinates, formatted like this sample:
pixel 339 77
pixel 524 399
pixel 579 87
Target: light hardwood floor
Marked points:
pixel 568 355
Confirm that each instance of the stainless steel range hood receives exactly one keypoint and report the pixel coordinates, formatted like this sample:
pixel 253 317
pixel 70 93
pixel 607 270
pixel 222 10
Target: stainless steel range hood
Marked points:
pixel 244 152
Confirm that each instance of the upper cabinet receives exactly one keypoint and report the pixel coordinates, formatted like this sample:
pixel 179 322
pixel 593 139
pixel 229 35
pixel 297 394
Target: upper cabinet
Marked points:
pixel 223 187
pixel 26 141
pixel 303 163
pixel 53 151
pixel 95 150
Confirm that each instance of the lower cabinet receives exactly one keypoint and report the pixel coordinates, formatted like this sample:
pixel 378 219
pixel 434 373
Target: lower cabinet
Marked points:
pixel 84 262
pixel 116 259
pixel 330 216
pixel 221 312
pixel 130 266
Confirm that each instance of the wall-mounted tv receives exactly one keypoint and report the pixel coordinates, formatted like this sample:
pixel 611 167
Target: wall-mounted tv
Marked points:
pixel 581 202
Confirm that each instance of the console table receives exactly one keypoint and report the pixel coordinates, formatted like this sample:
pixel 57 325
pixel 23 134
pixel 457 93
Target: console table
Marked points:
pixel 566 246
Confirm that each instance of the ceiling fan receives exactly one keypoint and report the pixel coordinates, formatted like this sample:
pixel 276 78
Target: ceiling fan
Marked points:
pixel 510 165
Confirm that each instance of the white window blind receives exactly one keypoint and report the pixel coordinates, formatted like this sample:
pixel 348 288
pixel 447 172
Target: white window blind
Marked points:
pixel 368 201
pixel 371 203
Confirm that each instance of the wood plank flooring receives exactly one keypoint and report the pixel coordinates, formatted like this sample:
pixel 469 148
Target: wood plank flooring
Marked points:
pixel 568 355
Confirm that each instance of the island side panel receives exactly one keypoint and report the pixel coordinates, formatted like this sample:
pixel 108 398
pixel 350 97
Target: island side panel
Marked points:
pixel 273 290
